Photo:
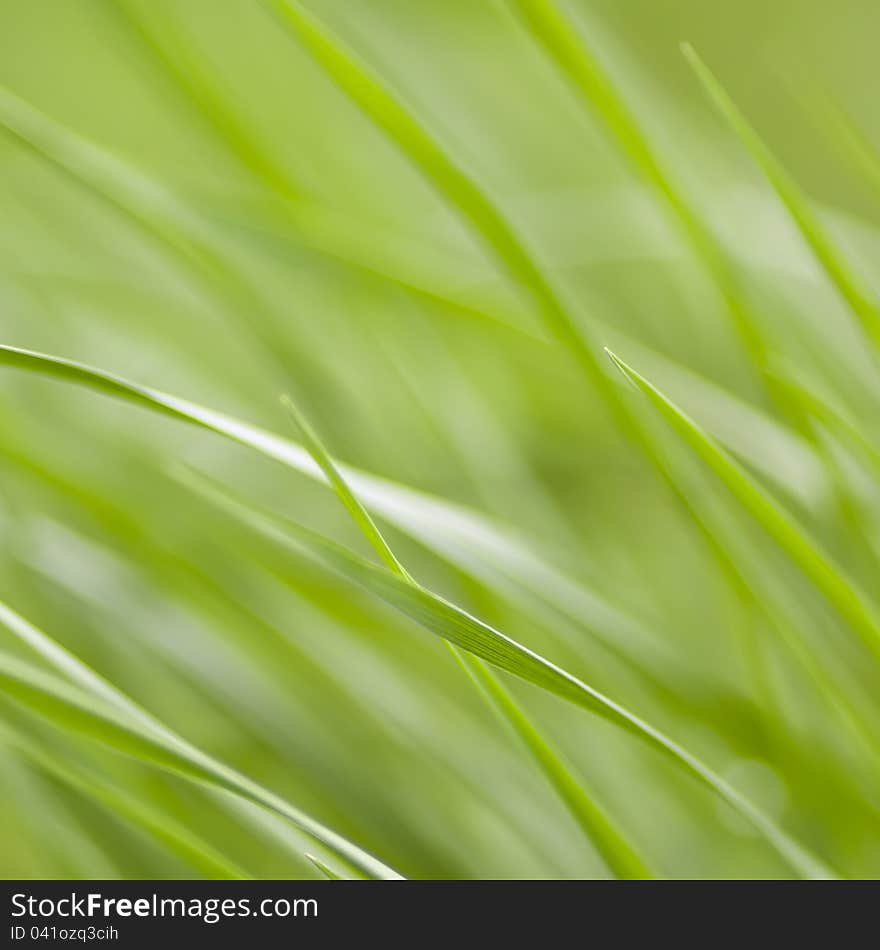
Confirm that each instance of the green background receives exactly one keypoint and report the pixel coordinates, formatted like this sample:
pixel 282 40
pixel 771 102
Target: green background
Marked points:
pixel 199 208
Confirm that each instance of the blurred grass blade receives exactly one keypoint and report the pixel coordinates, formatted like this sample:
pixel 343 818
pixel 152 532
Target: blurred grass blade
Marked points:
pixel 500 238
pixel 298 458
pixel 72 667
pixel 461 536
pixel 135 735
pixel 79 673
pixel 176 61
pixel 852 287
pixel 454 185
pixel 178 839
pixel 556 34
pixel 852 604
pixel 615 850
pixel 105 174
pixel 620 856
pixel 196 249
pixel 455 625
pixel 836 417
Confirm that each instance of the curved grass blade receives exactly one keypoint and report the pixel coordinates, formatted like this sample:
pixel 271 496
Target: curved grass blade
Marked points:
pixel 461 536
pixel 852 604
pixel 103 713
pixel 451 623
pixel 849 283
pixel 483 217
pixel 455 533
pixel 616 851
pixel 299 459
pixel 391 115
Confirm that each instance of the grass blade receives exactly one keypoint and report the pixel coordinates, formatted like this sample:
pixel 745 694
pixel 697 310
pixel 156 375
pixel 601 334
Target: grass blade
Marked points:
pixel 555 33
pixel 328 872
pixel 299 459
pixel 852 604
pixel 455 533
pixel 391 115
pixel 616 851
pixel 105 715
pixel 454 185
pixel 455 625
pixel 177 838
pixel 460 536
pixel 339 485
pixel 620 856
pixel 851 286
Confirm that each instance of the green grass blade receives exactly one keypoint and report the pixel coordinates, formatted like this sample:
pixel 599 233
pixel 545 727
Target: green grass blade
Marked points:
pixel 407 508
pixel 849 283
pixel 105 715
pixel 459 535
pixel 93 684
pixel 555 33
pixel 352 504
pixel 599 829
pixel 456 626
pixel 836 417
pixel 328 872
pixel 620 856
pixel 64 661
pixel 454 185
pixel 177 838
pixel 391 115
pixel 175 61
pixel 852 604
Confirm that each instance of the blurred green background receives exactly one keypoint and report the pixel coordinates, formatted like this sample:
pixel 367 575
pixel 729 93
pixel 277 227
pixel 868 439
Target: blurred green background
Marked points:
pixel 199 208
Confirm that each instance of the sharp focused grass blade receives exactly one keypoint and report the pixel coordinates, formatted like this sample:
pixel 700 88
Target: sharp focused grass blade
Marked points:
pixel 507 248
pixel 853 605
pixel 429 219
pixel 457 534
pixel 357 511
pixel 460 628
pixel 618 854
